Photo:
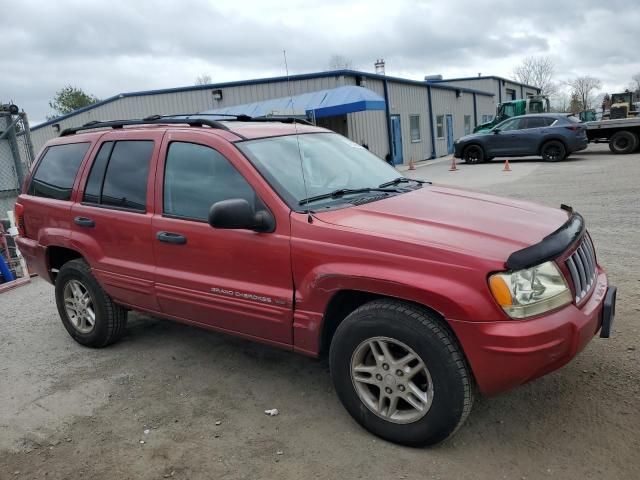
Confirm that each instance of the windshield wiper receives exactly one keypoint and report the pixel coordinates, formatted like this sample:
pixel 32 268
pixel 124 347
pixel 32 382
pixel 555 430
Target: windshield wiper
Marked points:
pixel 398 180
pixel 346 191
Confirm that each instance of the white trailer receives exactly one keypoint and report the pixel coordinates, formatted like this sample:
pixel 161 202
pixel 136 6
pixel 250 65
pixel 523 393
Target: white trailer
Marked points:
pixel 623 135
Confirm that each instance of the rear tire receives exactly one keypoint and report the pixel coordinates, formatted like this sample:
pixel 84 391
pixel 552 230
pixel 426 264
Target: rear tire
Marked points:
pixel 86 311
pixel 473 154
pixel 623 142
pixel 553 151
pixel 417 390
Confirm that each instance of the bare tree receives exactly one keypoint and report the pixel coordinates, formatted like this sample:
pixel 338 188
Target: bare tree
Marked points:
pixel 635 85
pixel 537 72
pixel 340 62
pixel 584 88
pixel 203 79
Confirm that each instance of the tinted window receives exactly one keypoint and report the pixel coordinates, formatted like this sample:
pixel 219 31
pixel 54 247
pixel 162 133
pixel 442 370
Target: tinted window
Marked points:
pixel 57 171
pixel 125 183
pixel 196 177
pixel 536 122
pixel 512 124
pixel 93 189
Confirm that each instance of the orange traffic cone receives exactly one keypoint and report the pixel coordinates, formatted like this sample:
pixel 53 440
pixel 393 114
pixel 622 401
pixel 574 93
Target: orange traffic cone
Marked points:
pixel 506 168
pixel 453 168
pixel 411 165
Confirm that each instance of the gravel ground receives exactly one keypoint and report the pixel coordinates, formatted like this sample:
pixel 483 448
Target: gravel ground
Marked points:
pixel 171 401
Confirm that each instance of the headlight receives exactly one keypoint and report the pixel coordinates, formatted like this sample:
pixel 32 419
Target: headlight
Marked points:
pixel 531 291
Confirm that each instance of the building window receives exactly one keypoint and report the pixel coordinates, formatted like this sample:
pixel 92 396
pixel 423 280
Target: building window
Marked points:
pixel 440 126
pixel 487 118
pixel 467 124
pixel 414 128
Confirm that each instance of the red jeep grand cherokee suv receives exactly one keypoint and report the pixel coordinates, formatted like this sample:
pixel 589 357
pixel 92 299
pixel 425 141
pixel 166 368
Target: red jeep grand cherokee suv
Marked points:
pixel 295 236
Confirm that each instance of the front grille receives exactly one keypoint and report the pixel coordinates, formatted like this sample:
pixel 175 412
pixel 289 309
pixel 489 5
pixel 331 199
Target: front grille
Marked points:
pixel 582 266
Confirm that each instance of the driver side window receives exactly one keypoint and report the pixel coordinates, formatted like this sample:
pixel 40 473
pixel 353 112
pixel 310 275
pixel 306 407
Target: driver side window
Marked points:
pixel 513 124
pixel 196 177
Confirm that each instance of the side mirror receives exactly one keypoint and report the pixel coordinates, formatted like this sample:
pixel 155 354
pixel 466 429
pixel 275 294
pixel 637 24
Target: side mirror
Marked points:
pixel 237 214
pixel 496 131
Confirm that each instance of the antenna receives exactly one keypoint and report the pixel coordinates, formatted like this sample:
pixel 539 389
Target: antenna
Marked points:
pixel 295 126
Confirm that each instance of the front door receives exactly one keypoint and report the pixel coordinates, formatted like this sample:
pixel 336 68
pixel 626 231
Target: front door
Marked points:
pixel 506 140
pixel 450 134
pixel 233 280
pixel 396 140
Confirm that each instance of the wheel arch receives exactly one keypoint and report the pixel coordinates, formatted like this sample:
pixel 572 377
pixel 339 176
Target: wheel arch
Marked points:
pixel 57 256
pixel 344 302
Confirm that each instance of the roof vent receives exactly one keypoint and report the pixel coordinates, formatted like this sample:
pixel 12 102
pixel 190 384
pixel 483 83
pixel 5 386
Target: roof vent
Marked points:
pixel 432 78
pixel 379 66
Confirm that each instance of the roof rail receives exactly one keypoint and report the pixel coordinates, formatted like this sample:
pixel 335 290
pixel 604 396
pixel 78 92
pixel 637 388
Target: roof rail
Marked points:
pixel 115 124
pixel 230 117
pixel 174 119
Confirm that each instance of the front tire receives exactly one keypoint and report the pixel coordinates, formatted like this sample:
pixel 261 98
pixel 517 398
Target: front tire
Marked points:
pixel 86 311
pixel 473 154
pixel 400 373
pixel 553 151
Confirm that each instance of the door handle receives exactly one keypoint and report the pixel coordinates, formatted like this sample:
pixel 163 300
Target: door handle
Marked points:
pixel 84 222
pixel 169 237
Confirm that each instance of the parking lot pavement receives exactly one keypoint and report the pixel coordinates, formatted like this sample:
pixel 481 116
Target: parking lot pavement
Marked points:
pixel 149 406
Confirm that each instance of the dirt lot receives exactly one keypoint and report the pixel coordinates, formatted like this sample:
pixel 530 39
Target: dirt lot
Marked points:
pixel 71 412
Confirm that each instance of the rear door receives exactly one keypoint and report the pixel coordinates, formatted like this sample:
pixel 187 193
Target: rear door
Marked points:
pixel 112 217
pixel 233 280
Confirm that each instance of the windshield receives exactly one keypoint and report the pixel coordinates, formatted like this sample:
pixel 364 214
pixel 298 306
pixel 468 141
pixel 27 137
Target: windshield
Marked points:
pixel 331 162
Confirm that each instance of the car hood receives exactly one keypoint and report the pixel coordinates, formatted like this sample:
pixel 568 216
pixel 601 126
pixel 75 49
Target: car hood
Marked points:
pixel 483 225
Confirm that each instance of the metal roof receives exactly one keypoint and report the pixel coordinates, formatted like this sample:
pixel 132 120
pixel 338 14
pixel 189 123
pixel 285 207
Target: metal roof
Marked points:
pixel 486 77
pixel 304 76
pixel 322 103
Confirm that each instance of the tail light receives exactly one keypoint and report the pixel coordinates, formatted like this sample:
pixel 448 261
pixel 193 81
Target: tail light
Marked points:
pixel 19 214
pixel 573 128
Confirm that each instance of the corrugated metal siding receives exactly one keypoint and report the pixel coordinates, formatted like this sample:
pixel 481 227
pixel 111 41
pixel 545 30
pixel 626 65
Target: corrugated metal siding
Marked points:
pixel 483 84
pixel 369 128
pixel 486 106
pixel 445 103
pixel 189 102
pixel 405 100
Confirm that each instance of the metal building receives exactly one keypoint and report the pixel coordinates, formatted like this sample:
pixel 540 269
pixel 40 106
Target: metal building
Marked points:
pixel 420 119
pixel 16 154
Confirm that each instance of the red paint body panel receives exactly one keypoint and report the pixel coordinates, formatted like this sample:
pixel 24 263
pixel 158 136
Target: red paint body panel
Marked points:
pixel 434 246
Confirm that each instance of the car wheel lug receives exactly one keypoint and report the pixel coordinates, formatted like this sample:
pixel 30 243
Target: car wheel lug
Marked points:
pixel 379 377
pixel 399 373
pixel 385 366
pixel 401 388
pixel 388 390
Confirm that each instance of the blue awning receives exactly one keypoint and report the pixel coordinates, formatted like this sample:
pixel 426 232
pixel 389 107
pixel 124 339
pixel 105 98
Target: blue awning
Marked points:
pixel 323 103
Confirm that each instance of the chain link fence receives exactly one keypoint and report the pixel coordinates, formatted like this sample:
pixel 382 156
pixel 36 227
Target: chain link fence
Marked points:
pixel 16 155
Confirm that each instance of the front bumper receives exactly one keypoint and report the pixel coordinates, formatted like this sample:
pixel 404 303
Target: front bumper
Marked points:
pixel 505 354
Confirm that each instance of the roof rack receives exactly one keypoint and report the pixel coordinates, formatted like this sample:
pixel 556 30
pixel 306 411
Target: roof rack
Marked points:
pixel 229 117
pixel 174 119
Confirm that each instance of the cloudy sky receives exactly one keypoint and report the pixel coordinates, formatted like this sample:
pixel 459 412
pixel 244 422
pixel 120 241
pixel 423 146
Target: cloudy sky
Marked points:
pixel 108 47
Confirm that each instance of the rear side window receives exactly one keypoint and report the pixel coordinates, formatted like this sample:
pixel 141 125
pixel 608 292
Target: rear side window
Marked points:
pixel 119 175
pixel 196 177
pixel 57 171
pixel 537 122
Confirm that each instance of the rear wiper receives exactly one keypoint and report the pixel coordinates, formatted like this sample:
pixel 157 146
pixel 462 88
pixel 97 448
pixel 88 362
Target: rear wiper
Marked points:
pixel 398 180
pixel 346 191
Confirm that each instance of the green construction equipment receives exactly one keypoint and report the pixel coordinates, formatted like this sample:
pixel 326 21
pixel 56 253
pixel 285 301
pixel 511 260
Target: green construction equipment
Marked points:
pixel 535 104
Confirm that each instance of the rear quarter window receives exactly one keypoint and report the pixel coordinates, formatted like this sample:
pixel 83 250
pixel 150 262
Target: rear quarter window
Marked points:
pixel 57 171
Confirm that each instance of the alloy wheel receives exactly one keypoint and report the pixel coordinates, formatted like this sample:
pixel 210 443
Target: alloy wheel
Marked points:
pixel 391 380
pixel 79 306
